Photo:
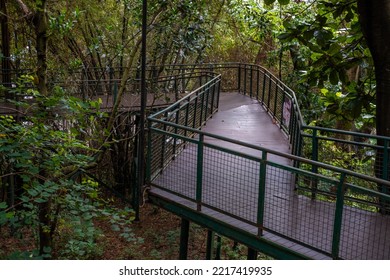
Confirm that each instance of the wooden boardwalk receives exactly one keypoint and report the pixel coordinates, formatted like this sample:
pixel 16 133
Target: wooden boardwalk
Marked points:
pixel 230 190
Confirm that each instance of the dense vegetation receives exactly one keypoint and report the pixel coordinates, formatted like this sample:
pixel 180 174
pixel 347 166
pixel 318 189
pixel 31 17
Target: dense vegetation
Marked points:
pixel 59 154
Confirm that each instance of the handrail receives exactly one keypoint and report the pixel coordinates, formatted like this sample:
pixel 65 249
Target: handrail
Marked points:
pixel 291 157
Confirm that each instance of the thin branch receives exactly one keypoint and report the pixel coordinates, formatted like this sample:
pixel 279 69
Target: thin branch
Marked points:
pixel 27 12
pixel 13 109
pixel 11 174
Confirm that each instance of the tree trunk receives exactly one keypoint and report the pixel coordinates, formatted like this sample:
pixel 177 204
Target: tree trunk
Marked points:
pixel 5 42
pixel 41 28
pixel 375 19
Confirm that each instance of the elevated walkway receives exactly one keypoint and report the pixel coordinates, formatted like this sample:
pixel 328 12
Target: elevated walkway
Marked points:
pixel 235 171
pixel 231 185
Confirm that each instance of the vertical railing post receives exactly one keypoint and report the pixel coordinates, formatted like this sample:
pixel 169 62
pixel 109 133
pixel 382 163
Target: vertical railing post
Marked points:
pixel 187 115
pixel 115 91
pixel 239 78
pixel 195 110
pixel 199 173
pixel 277 86
pixel 293 139
pixel 213 93
pixel 314 167
pixel 269 93
pixel 176 88
pixel 111 78
pixel 257 83
pixel 207 93
pixel 177 118
pixel 149 155
pixel 385 163
pixel 261 196
pixel 338 219
pixel 135 191
pixel 251 81
pixel 292 112
pixel 218 91
pixel 163 145
pixel 84 80
pixel 245 78
pixel 183 81
pixel 264 84
pixel 384 205
pixel 282 110
pixel 201 109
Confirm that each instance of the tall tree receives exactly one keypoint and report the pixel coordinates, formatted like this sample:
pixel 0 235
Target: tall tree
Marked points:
pixel 375 19
pixel 5 42
pixel 39 19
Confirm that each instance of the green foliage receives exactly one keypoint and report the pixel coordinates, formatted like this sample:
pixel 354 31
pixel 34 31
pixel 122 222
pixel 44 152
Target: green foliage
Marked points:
pixel 47 151
pixel 330 58
pixel 33 255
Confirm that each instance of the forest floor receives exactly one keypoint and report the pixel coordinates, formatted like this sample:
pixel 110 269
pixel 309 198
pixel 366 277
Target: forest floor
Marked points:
pixel 157 236
pixel 160 234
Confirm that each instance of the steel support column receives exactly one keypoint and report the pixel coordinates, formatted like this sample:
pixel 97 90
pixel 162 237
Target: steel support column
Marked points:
pixel 252 254
pixel 210 245
pixel 184 234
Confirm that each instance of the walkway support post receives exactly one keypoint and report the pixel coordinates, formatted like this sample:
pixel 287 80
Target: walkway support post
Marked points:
pixel 252 254
pixel 210 245
pixel 219 247
pixel 184 235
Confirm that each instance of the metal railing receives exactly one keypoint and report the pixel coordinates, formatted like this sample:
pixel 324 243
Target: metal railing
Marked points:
pixel 191 111
pixel 251 189
pixel 341 223
pixel 363 153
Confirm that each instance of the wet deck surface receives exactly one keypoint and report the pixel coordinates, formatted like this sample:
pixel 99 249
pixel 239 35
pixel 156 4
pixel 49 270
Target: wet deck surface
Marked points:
pixel 230 190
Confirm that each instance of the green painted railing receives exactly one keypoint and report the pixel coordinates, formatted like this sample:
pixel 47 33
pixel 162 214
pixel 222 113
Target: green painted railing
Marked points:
pixel 191 111
pixel 363 153
pixel 343 221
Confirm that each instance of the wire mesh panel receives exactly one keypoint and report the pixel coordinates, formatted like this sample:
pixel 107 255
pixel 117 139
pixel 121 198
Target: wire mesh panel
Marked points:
pixel 181 174
pixel 295 216
pixel 364 235
pixel 361 153
pixel 224 174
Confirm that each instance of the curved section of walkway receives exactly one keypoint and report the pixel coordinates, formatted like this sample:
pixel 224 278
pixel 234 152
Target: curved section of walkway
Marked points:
pixel 231 190
pixel 244 119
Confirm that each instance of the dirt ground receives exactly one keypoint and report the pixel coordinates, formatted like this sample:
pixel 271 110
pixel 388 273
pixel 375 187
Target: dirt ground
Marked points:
pixel 160 234
pixel 157 236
